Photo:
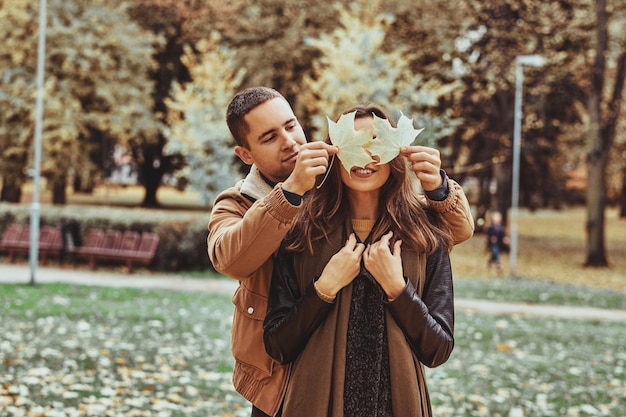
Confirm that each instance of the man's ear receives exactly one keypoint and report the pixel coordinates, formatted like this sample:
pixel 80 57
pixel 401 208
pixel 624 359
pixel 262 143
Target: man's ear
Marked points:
pixel 244 155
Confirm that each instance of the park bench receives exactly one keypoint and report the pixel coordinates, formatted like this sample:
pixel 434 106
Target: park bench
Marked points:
pixel 16 239
pixel 12 240
pixel 92 240
pixel 50 243
pixel 129 247
pixel 143 253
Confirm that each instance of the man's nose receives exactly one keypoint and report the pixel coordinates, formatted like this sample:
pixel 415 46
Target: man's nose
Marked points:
pixel 289 141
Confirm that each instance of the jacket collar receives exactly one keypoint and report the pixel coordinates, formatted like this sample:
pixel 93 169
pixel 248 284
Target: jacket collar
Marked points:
pixel 255 185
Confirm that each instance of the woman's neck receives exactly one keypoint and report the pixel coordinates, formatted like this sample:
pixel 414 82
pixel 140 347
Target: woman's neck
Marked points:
pixel 364 205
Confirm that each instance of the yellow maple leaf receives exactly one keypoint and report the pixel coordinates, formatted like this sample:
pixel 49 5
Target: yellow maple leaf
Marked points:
pixel 351 143
pixel 389 140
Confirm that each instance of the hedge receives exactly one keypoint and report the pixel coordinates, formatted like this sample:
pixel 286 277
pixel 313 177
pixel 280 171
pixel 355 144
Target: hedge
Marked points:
pixel 182 245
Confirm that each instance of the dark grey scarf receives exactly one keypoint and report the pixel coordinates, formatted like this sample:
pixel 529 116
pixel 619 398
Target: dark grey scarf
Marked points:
pixel 367 388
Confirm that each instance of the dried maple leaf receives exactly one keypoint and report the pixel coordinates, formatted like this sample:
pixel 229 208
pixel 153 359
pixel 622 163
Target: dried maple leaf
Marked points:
pixel 389 140
pixel 351 143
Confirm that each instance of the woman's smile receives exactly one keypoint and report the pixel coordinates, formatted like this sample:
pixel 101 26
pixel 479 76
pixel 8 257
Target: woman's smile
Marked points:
pixel 362 172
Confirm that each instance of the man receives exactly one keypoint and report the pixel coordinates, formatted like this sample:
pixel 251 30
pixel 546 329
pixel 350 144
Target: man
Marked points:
pixel 249 221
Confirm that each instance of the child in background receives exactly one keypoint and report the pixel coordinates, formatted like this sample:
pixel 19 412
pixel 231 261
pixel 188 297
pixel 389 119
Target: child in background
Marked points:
pixel 496 239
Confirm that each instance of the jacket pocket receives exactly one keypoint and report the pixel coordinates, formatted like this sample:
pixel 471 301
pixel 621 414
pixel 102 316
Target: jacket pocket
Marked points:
pixel 247 331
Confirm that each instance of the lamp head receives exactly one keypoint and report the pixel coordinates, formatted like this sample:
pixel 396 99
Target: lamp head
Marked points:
pixel 533 60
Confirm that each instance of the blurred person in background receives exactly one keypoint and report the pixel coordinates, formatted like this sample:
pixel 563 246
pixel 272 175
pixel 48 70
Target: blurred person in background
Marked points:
pixel 497 240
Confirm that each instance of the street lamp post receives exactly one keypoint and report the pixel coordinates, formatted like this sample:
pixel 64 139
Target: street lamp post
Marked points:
pixel 521 60
pixel 35 207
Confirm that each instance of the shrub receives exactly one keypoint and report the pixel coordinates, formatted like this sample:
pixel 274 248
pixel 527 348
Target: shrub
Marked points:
pixel 183 234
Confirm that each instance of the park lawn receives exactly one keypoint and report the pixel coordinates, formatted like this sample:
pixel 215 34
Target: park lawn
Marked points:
pixel 551 247
pixel 88 351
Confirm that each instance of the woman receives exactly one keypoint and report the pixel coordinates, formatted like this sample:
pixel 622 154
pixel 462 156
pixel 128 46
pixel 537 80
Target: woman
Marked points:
pixel 362 295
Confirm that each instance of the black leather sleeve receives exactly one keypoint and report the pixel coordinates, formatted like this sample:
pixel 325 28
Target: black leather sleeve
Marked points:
pixel 291 317
pixel 428 322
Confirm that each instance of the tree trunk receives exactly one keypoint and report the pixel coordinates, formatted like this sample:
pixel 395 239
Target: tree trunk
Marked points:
pixel 503 174
pixel 622 198
pixel 596 204
pixel 11 193
pixel 59 197
pixel 151 185
pixel 13 165
pixel 152 169
pixel 602 136
pixel 598 153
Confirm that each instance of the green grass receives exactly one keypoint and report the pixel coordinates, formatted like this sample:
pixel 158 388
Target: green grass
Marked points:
pixel 538 367
pixel 539 291
pixel 107 351
pixel 86 348
pixel 518 289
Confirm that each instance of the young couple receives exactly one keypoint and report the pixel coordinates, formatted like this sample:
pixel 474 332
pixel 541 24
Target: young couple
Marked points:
pixel 346 293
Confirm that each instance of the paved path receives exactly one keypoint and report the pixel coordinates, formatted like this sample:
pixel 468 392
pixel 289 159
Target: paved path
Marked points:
pixel 20 273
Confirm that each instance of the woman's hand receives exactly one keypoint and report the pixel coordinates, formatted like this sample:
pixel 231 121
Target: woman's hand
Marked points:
pixel 342 268
pixel 385 266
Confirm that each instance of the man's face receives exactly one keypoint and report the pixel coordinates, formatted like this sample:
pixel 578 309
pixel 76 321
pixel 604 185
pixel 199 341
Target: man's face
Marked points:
pixel 274 139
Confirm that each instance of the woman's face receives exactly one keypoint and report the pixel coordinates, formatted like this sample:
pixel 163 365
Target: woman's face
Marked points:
pixel 370 177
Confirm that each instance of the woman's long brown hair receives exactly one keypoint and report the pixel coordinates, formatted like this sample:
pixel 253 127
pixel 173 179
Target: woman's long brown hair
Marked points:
pixel 418 226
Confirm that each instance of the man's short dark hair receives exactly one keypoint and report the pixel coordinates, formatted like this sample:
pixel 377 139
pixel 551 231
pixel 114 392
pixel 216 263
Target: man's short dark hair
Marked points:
pixel 243 102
